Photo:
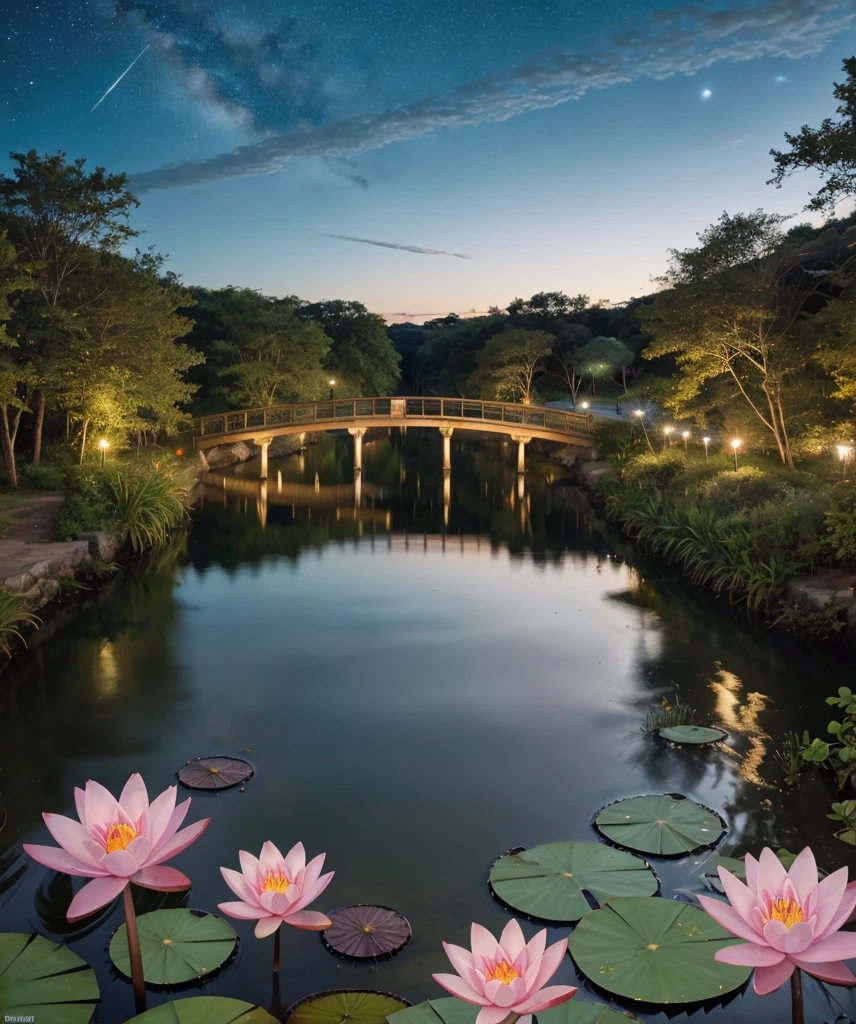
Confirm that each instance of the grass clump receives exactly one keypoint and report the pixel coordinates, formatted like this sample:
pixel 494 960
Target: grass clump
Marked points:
pixel 13 615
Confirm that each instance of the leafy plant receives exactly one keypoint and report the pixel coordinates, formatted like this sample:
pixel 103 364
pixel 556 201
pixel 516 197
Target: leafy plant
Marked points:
pixel 827 621
pixel 147 507
pixel 845 813
pixel 13 615
pixel 788 756
pixel 668 716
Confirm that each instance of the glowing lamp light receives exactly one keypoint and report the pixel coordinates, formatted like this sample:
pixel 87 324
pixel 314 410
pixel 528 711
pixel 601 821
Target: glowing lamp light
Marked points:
pixel 103 444
pixel 585 405
pixel 331 382
pixel 844 452
pixel 668 430
pixel 706 442
pixel 735 444
pixel 639 412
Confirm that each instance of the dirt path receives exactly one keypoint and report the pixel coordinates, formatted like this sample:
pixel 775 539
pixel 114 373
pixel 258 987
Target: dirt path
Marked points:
pixel 33 518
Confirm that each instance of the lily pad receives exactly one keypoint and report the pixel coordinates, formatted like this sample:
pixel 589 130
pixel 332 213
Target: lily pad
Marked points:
pixel 693 735
pixel 205 1010
pixel 357 1006
pixel 665 826
pixel 215 772
pixel 366 932
pixel 456 1011
pixel 40 980
pixel 549 882
pixel 176 946
pixel 655 951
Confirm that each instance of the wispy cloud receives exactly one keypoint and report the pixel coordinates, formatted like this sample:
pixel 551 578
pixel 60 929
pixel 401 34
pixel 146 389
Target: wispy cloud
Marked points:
pixel 681 41
pixel 395 245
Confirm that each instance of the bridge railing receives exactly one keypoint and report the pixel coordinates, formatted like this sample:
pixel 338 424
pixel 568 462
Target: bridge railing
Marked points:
pixel 305 414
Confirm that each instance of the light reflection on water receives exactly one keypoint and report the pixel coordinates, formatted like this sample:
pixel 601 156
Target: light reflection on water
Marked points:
pixel 425 670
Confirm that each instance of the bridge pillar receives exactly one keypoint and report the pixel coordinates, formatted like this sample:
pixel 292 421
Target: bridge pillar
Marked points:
pixel 447 446
pixel 358 433
pixel 264 444
pixel 522 440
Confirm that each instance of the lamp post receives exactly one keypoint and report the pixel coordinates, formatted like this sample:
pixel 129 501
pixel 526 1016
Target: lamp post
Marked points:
pixel 735 444
pixel 844 453
pixel 103 444
pixel 640 413
pixel 332 384
pixel 686 436
pixel 666 432
pixel 706 441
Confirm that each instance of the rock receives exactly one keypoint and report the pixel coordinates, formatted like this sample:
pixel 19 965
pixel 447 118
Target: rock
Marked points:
pixel 285 444
pixel 228 455
pixel 819 591
pixel 20 583
pixel 103 547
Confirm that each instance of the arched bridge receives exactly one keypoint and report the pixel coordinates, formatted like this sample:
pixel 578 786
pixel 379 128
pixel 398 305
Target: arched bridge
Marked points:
pixel 521 422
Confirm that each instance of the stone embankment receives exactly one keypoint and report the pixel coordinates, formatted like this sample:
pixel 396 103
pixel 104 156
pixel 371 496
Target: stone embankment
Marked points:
pixel 831 590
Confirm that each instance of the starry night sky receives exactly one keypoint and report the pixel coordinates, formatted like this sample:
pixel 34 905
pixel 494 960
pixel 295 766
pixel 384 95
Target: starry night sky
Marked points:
pixel 560 144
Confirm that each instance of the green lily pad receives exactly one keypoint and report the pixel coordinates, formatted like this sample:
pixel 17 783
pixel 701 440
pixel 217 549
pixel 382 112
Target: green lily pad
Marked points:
pixel 665 826
pixel 549 881
pixel 693 735
pixel 176 946
pixel 456 1011
pixel 205 1010
pixel 40 980
pixel 655 951
pixel 357 1006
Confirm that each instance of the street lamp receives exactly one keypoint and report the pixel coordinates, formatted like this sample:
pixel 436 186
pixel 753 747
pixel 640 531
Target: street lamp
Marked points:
pixel 640 413
pixel 844 453
pixel 666 432
pixel 103 444
pixel 686 436
pixel 332 384
pixel 735 444
pixel 706 441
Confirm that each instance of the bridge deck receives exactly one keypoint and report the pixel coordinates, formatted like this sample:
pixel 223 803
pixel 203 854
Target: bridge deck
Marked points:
pixel 461 413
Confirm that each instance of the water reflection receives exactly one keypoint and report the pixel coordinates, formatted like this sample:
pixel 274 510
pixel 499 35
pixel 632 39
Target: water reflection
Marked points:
pixel 426 668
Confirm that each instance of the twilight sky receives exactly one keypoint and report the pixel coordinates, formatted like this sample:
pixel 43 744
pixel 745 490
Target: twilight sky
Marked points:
pixel 492 148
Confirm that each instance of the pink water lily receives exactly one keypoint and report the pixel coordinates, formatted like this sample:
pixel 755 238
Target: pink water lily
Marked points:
pixel 508 976
pixel 275 890
pixel 117 842
pixel 789 920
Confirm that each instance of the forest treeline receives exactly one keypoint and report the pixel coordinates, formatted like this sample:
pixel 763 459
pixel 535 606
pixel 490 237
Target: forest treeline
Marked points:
pixel 752 330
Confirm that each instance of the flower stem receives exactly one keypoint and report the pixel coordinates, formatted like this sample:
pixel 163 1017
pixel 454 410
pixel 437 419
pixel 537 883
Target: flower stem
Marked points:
pixel 797 1016
pixel 134 946
pixel 276 936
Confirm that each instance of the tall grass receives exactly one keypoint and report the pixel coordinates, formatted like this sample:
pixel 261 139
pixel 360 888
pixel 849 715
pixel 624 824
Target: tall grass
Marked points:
pixel 147 507
pixel 13 615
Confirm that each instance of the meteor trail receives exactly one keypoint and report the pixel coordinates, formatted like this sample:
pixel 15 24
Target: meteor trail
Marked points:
pixel 119 79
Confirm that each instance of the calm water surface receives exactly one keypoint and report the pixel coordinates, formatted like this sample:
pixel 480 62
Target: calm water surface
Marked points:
pixel 420 684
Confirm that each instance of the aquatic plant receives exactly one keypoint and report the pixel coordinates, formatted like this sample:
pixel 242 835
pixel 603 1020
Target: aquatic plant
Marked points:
pixel 790 921
pixel 117 842
pixel 275 890
pixel 669 716
pixel 147 507
pixel 13 615
pixel 506 977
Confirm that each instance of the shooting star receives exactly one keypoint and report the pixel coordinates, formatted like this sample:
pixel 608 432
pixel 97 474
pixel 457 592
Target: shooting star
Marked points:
pixel 119 79
pixel 393 245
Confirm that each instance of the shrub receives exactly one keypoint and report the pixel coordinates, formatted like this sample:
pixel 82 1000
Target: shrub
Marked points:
pixel 146 508
pixel 748 486
pixel 658 468
pixel 617 438
pixel 41 478
pixel 840 522
pixel 88 505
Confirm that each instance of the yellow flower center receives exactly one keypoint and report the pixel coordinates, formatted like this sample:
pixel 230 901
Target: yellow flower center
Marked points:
pixel 119 837
pixel 503 972
pixel 788 911
pixel 275 883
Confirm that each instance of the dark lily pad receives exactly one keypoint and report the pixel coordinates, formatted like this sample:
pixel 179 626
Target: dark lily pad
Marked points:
pixel 42 981
pixel 665 826
pixel 366 932
pixel 176 945
pixel 456 1011
pixel 737 867
pixel 655 951
pixel 357 1006
pixel 205 1010
pixel 215 772
pixel 549 882
pixel 693 735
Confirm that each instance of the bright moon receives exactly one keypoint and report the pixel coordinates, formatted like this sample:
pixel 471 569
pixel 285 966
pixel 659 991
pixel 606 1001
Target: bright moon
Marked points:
pixel 706 94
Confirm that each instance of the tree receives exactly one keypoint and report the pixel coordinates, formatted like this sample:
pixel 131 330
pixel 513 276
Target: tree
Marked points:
pixel 121 369
pixel 15 374
pixel 830 150
pixel 509 363
pixel 548 304
pixel 362 358
pixel 564 360
pixel 59 216
pixel 601 358
pixel 268 353
pixel 729 316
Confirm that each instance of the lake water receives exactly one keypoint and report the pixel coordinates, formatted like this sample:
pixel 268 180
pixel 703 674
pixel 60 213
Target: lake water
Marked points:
pixel 422 680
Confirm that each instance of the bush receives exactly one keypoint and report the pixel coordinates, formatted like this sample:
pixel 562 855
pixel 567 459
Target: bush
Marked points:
pixel 840 522
pixel 41 478
pixel 617 438
pixel 748 486
pixel 658 468
pixel 88 505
